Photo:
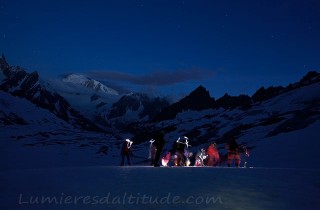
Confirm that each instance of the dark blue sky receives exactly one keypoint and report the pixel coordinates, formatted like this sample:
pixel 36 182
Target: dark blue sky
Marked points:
pixel 168 46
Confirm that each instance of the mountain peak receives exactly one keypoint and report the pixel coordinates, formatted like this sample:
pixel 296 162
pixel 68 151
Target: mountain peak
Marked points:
pixel 197 100
pixel 200 92
pixel 310 77
pixel 3 58
pixel 3 63
pixel 82 80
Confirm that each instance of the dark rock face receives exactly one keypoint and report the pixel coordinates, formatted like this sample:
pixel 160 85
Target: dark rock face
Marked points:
pixel 231 102
pixel 310 78
pixel 11 119
pixel 135 101
pixel 264 94
pixel 94 97
pixel 26 85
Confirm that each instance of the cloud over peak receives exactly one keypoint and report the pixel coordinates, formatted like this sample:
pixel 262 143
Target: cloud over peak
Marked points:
pixel 155 78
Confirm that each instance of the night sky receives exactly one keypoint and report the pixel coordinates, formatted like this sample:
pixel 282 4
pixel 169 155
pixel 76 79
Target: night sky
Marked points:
pixel 169 47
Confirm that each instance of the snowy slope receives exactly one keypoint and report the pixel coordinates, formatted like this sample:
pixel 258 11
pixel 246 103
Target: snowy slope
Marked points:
pixel 291 150
pixel 33 137
pixel 30 113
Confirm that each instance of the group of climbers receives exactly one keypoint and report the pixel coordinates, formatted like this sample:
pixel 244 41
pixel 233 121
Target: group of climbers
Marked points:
pixel 181 156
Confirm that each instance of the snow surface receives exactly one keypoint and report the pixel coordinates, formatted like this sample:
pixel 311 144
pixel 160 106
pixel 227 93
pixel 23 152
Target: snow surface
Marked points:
pixel 297 149
pixel 160 188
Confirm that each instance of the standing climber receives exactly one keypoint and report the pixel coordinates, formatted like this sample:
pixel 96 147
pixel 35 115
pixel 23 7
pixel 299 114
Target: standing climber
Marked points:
pixel 233 152
pixel 159 143
pixel 213 155
pixel 126 151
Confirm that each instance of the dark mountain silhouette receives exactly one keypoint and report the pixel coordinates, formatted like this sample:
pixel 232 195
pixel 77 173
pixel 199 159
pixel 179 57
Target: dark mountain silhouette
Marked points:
pixel 264 94
pixel 199 99
pixel 231 102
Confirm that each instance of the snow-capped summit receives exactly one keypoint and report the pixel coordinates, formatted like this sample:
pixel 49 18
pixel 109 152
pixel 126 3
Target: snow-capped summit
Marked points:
pixel 79 79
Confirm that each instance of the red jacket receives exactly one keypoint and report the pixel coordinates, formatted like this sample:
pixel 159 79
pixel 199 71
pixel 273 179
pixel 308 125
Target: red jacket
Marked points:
pixel 213 152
